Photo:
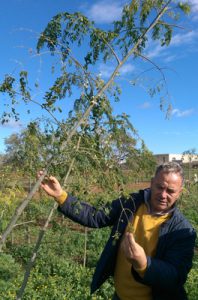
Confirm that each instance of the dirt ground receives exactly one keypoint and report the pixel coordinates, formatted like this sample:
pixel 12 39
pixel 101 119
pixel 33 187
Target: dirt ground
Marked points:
pixel 138 185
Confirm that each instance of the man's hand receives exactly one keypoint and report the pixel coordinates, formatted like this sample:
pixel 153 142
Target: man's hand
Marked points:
pixel 134 252
pixel 51 186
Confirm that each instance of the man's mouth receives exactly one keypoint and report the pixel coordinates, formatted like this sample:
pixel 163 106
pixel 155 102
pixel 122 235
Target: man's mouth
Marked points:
pixel 163 202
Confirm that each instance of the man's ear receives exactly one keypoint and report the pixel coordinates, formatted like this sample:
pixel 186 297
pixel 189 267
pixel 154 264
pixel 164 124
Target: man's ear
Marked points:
pixel 152 180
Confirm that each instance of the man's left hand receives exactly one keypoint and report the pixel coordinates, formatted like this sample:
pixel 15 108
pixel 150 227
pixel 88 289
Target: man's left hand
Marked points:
pixel 134 252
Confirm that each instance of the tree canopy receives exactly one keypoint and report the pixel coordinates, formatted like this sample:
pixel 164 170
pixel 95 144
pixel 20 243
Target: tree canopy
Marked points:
pixel 90 140
pixel 78 46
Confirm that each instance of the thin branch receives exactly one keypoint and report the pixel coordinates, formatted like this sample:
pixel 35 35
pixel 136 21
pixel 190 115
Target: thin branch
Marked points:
pixel 35 253
pixel 41 236
pixel 20 209
pixel 174 25
pixel 153 63
pixel 24 223
pixel 72 163
pixel 111 48
pixel 45 107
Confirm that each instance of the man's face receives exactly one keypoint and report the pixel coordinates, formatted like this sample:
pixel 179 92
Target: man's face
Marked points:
pixel 165 190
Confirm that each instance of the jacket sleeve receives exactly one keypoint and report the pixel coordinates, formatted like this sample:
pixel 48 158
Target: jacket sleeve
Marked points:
pixel 88 215
pixel 171 269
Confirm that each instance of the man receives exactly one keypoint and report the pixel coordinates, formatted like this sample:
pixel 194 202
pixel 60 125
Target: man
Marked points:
pixel 149 252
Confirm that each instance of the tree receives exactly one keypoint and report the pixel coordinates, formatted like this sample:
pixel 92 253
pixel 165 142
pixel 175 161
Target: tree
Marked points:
pixel 92 115
pixel 191 154
pixel 29 149
pixel 92 111
pixel 128 37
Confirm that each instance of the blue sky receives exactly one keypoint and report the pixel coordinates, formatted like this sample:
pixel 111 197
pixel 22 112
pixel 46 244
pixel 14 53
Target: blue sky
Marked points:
pixel 23 20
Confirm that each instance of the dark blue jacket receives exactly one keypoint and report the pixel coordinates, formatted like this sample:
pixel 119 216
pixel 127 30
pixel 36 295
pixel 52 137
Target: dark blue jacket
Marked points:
pixel 167 271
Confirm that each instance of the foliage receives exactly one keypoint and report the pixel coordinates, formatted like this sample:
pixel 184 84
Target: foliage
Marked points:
pixel 188 205
pixel 58 267
pixel 91 135
pixel 101 159
pixel 9 274
pixel 100 143
pixel 105 140
pixel 192 282
pixel 29 149
pixel 6 207
pixel 58 272
pixel 8 267
pixel 66 32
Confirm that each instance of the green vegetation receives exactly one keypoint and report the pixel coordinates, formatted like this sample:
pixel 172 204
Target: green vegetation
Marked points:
pixel 93 152
pixel 68 254
pixel 188 205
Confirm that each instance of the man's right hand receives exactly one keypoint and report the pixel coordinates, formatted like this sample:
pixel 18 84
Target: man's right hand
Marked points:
pixel 51 185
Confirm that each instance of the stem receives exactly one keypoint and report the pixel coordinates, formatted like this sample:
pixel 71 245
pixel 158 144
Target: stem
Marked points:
pixel 40 238
pixel 72 163
pixel 34 254
pixel 85 248
pixel 19 210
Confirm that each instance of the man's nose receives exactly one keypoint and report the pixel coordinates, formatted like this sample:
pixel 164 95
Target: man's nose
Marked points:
pixel 163 194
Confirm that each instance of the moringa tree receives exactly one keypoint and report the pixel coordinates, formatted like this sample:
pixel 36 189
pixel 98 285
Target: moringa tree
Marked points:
pixel 78 45
pixel 92 110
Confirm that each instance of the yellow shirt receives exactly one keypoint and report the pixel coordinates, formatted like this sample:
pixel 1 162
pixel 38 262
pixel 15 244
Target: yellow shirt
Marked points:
pixel 146 231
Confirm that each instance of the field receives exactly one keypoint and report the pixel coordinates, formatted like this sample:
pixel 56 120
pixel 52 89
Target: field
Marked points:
pixel 67 257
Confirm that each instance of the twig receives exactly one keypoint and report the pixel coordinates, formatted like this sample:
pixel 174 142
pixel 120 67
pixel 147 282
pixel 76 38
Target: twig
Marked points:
pixel 24 223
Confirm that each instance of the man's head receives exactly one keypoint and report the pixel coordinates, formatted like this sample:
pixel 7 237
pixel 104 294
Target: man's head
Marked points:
pixel 166 186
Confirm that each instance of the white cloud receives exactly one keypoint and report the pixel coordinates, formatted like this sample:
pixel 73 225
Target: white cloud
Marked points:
pixel 105 11
pixel 181 39
pixel 177 133
pixel 185 38
pixel 126 69
pixel 107 70
pixel 170 58
pixel 181 133
pixel 155 51
pixel 12 124
pixel 194 5
pixel 180 114
pixel 145 105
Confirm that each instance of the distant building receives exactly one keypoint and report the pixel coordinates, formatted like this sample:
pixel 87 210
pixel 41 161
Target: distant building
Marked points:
pixel 180 158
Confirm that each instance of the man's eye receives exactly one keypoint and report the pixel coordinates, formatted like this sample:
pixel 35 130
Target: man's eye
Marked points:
pixel 160 188
pixel 170 191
